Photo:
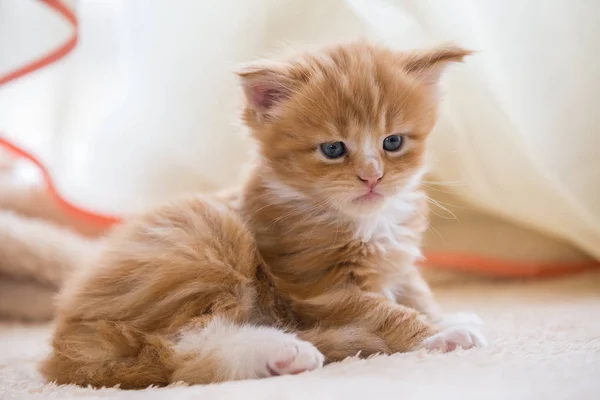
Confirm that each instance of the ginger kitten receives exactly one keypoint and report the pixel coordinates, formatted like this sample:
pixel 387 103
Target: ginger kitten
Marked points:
pixel 335 202
pixel 315 263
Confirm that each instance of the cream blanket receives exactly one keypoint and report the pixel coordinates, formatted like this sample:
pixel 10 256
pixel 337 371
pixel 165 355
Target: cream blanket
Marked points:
pixel 544 344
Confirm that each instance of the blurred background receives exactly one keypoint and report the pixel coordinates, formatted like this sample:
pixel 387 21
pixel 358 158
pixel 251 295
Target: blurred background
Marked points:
pixel 109 107
pixel 145 108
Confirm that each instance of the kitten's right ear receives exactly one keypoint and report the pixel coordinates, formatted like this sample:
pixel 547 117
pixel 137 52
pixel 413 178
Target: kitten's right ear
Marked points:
pixel 265 86
pixel 427 65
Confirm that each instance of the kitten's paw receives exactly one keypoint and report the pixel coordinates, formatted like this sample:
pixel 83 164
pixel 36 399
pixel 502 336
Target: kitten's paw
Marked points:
pixel 293 356
pixel 465 337
pixel 460 319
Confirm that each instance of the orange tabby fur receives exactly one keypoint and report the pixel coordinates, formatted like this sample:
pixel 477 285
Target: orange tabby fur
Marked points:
pixel 202 292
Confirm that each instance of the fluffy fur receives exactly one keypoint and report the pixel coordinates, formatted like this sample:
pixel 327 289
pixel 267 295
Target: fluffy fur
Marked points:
pixel 312 264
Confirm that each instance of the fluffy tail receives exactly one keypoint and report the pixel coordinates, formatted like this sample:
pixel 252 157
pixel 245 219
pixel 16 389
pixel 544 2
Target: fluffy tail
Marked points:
pixel 35 258
pixel 104 353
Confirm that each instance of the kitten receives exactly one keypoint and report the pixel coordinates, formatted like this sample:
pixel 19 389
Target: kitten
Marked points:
pixel 335 202
pixel 312 264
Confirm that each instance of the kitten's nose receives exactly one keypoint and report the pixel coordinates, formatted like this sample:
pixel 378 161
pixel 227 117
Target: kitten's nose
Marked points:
pixel 371 180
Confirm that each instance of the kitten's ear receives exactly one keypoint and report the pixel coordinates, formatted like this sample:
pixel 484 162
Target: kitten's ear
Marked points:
pixel 428 65
pixel 265 86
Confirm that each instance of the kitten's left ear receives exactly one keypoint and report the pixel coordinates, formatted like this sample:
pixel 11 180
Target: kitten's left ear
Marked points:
pixel 428 65
pixel 265 85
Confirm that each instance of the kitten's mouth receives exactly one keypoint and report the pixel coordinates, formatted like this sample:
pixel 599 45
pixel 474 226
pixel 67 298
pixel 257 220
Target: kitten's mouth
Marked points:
pixel 371 197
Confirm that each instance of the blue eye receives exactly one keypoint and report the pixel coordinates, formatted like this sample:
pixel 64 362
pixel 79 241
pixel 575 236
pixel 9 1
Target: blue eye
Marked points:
pixel 333 149
pixel 393 142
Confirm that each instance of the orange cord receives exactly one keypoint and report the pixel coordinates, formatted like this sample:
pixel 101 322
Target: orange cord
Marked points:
pixel 454 261
pixel 104 221
pixel 55 54
pixel 497 268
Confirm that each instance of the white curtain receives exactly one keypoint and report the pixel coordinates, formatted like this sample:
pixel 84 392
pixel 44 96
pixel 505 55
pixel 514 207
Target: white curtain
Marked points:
pixel 146 106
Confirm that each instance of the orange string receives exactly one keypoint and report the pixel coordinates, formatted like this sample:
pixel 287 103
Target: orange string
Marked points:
pixel 455 261
pixel 55 54
pixel 497 268
pixel 97 219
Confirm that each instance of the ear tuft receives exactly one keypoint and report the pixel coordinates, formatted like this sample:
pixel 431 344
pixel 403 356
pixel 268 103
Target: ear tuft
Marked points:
pixel 428 65
pixel 265 86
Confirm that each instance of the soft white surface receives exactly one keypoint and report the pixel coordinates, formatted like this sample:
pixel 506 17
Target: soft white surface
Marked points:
pixel 544 344
pixel 146 106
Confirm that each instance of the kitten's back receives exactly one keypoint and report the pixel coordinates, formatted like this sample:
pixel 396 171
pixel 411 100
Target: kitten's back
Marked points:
pixel 173 268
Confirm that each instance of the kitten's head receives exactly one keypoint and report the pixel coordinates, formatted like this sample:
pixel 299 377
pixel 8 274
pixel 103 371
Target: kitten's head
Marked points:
pixel 345 127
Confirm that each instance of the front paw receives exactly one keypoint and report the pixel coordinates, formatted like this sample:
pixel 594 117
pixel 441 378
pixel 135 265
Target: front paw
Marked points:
pixel 450 339
pixel 292 357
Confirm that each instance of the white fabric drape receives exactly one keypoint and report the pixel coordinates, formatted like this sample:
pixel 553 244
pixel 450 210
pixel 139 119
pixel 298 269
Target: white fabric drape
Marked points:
pixel 146 106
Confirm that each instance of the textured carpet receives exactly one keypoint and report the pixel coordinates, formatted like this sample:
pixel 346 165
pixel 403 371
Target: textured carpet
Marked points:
pixel 544 344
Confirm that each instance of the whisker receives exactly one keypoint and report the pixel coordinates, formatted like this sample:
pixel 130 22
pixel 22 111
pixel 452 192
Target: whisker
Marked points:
pixel 429 225
pixel 445 183
pixel 437 190
pixel 432 201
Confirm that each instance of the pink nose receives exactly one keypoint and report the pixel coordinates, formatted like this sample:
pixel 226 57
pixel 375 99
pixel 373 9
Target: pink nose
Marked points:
pixel 371 180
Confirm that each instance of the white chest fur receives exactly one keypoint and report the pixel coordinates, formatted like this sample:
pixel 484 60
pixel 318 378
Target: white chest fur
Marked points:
pixel 387 230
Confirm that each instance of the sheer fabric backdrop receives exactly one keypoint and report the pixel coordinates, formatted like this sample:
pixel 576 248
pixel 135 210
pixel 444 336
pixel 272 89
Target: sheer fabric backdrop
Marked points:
pixel 146 105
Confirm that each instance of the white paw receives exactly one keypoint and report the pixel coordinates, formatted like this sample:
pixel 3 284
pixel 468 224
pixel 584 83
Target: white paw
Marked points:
pixel 460 319
pixel 250 352
pixel 292 356
pixel 465 337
